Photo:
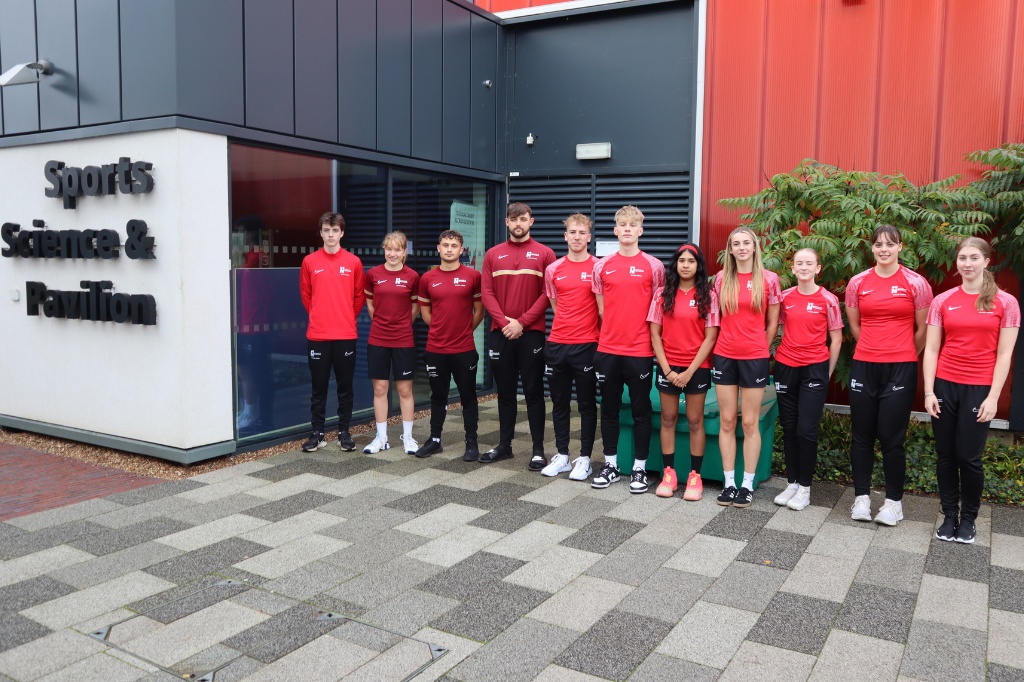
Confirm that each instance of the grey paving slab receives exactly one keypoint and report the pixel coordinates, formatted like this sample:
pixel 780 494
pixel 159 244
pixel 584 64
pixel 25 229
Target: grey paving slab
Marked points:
pixel 484 614
pixel 109 566
pixel 364 502
pixel 281 634
pixel 842 541
pixel 578 511
pixel 1008 520
pixel 877 612
pixel 429 499
pixel 148 493
pixel 822 577
pixel 459 648
pixel 34 565
pixel 463 542
pixel 643 508
pixel 194 602
pixel 50 536
pixel 737 524
pixel 912 536
pixel 118 539
pixel 363 528
pixel 634 637
pixel 672 528
pixel 795 622
pixel 311 579
pixel 9 532
pixel 746 586
pixel 167 597
pixel 530 541
pixel 511 517
pixel 234 573
pixel 48 654
pixel 556 673
pixel 581 603
pixel 632 562
pixel 938 593
pixel 667 595
pixel 892 568
pixel 103 666
pixel 940 652
pixel 365 635
pixel 777 548
pixel 291 556
pixel 384 582
pixel 398 662
pixel 279 510
pixel 920 508
pixel 215 657
pixel 328 604
pixel 387 545
pixel 16 630
pixel 957 560
pixel 442 520
pixel 191 565
pixel 1008 551
pixel 556 492
pixel 1002 673
pixel 263 601
pixel 323 660
pixel 521 652
pixel 706 554
pixel 98 599
pixel 496 495
pixel 126 516
pixel 30 592
pixel 198 513
pixel 848 656
pixel 471 575
pixel 825 494
pixel 658 668
pixel 286 470
pixel 767 663
pixel 1004 589
pixel 603 535
pixel 409 612
pixel 1006 638
pixel 62 515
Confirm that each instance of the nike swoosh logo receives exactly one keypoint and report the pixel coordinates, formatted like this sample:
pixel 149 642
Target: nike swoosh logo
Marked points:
pixel 813 385
pixel 790 306
pixel 406 373
pixel 382 281
pixel 349 352
pixel 865 293
pixel 502 256
pixel 562 277
pixel 760 380
pixel 701 385
pixel 472 367
pixel 952 307
pixel 644 376
pixel 437 284
pixel 317 272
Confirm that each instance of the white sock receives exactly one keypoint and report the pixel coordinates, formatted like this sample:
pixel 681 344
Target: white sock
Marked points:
pixel 802 488
pixel 639 464
pixel 791 486
pixel 730 478
pixel 612 460
pixel 407 429
pixel 382 430
pixel 748 480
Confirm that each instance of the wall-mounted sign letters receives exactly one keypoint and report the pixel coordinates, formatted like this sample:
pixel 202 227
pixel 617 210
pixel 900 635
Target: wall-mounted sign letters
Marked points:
pixel 103 244
pixel 72 182
pixel 95 303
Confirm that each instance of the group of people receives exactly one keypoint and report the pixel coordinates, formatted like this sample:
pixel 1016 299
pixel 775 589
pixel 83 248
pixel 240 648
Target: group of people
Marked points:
pixel 627 322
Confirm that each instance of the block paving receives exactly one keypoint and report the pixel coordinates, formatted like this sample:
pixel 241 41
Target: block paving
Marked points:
pixel 344 566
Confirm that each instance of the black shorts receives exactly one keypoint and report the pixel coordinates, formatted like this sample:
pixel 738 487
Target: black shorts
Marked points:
pixel 742 373
pixel 699 383
pixel 390 363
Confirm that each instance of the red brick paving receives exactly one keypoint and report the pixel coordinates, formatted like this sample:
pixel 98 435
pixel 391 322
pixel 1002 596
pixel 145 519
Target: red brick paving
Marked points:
pixel 33 481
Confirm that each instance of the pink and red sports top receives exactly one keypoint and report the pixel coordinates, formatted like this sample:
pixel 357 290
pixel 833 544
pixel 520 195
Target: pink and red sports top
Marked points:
pixel 887 306
pixel 569 284
pixel 968 353
pixel 743 332
pixel 806 320
pixel 393 293
pixel 682 329
pixel 627 284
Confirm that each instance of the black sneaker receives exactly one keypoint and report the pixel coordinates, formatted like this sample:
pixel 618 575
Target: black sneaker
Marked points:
pixel 605 477
pixel 744 498
pixel 472 453
pixel 345 441
pixel 947 531
pixel 638 482
pixel 430 447
pixel 496 454
pixel 728 496
pixel 315 441
pixel 965 532
pixel 538 461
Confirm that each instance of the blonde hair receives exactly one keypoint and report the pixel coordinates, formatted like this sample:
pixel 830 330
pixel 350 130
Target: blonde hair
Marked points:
pixel 988 282
pixel 400 241
pixel 629 213
pixel 579 219
pixel 729 300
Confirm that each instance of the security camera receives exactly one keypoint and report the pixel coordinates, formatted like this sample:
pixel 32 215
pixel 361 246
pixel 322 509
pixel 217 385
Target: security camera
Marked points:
pixel 26 73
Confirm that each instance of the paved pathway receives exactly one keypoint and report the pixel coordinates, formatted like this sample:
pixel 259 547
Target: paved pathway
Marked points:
pixel 343 566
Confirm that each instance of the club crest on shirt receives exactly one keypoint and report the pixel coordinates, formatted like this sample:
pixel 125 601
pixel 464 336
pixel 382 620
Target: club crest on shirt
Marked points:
pixel 586 276
pixel 634 271
pixel 899 291
pixel 399 282
pixel 342 270
pixel 459 282
pixel 530 255
pixel 814 308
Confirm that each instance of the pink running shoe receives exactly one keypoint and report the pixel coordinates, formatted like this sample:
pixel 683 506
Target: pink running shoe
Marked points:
pixel 669 483
pixel 694 487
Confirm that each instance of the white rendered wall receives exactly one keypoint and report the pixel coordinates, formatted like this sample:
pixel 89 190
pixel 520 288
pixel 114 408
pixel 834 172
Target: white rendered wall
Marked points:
pixel 168 384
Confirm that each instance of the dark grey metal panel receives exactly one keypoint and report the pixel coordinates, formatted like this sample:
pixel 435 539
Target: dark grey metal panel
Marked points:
pixel 149 84
pixel 357 77
pixel 394 76
pixel 456 98
pixel 620 76
pixel 269 66
pixel 483 131
pixel 210 62
pixel 99 79
pixel 58 94
pixel 427 53
pixel 316 70
pixel 18 46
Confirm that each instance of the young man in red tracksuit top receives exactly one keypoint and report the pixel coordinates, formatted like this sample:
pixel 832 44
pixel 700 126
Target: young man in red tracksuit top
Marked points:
pixel 513 293
pixel 331 284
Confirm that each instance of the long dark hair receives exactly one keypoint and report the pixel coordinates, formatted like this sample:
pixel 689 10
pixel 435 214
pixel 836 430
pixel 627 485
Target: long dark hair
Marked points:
pixel 701 281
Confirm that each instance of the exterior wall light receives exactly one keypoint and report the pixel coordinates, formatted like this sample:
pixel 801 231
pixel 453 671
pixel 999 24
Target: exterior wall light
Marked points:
pixel 593 150
pixel 26 73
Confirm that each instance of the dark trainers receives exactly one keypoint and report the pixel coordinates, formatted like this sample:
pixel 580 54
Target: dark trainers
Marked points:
pixel 605 477
pixel 538 461
pixel 496 454
pixel 430 447
pixel 728 496
pixel 947 531
pixel 472 453
pixel 315 441
pixel 744 498
pixel 638 482
pixel 345 441
pixel 965 532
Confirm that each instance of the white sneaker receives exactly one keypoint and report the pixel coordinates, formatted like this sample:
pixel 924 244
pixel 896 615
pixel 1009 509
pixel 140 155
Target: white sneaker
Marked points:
pixel 246 417
pixel 891 513
pixel 559 465
pixel 861 509
pixel 376 445
pixel 410 445
pixel 801 499
pixel 581 469
pixel 786 495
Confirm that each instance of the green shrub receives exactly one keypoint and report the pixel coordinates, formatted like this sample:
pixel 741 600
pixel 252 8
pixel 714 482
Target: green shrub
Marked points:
pixel 1003 464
